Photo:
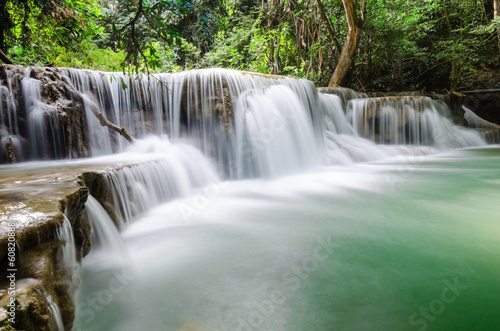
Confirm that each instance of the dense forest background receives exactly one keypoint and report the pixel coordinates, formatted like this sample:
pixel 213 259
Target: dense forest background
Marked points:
pixel 390 45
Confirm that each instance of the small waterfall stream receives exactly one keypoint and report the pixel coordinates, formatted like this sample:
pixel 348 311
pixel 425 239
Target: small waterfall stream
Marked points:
pixel 106 239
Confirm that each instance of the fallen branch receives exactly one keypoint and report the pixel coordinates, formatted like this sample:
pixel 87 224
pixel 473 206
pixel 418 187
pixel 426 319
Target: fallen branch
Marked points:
pixel 105 122
pixel 4 58
pixel 458 94
pixel 100 116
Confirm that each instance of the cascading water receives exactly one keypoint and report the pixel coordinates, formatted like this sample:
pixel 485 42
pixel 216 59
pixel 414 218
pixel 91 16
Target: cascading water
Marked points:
pixel 68 251
pixel 408 120
pixel 138 188
pixel 308 247
pixel 276 141
pixel 335 119
pixel 44 129
pixel 55 314
pixel 206 108
pixel 198 106
pixel 344 94
pixel 106 239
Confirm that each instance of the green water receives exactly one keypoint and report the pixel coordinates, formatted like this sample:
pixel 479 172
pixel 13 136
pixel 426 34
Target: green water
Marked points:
pixel 412 244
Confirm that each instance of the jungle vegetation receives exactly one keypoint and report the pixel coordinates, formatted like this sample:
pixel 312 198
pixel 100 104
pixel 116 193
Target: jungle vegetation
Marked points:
pixel 363 44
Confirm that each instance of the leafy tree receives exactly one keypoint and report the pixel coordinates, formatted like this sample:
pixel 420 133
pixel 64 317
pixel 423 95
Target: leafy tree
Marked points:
pixel 31 31
pixel 149 30
pixel 355 24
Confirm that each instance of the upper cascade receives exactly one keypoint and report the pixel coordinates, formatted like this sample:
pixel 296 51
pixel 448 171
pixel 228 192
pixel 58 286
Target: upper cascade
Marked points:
pixel 251 125
pixel 201 106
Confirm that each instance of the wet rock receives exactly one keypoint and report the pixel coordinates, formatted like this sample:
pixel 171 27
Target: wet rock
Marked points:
pixel 345 94
pixel 492 136
pixel 98 188
pixel 212 105
pixel 10 152
pixel 32 207
pixel 35 204
pixel 32 307
pixel 484 103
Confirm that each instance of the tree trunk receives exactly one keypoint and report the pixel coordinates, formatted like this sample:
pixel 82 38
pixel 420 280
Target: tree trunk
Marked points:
pixel 4 58
pixel 346 59
pixel 496 14
pixel 4 19
pixel 454 75
pixel 455 72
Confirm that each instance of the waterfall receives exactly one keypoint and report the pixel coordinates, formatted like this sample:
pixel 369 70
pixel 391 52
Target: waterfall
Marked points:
pixel 335 119
pixel 278 140
pixel 56 322
pixel 407 120
pixel 199 106
pixel 46 138
pixel 140 187
pixel 234 118
pixel 68 251
pixel 9 128
pixel 344 94
pixel 106 240
pixel 196 129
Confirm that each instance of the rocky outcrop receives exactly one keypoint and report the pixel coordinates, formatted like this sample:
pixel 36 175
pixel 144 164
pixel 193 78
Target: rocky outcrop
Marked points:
pixel 345 94
pixel 33 206
pixel 492 136
pixel 484 103
pixel 41 117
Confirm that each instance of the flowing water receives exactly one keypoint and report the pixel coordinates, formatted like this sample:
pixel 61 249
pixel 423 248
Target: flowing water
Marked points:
pixel 410 243
pixel 262 204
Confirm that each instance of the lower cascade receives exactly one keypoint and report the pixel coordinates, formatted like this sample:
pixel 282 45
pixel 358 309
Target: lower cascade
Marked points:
pixel 225 200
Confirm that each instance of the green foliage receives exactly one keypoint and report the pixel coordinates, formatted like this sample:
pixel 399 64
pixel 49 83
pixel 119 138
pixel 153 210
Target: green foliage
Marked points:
pixel 404 44
pixel 232 49
pixel 424 44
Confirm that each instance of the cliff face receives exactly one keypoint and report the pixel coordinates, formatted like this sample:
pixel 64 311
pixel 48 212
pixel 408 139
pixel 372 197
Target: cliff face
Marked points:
pixel 42 209
pixel 484 103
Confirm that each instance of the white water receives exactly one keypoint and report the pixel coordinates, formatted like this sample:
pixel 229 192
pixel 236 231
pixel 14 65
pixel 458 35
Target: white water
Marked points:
pixel 280 125
pixel 56 322
pixel 68 250
pixel 177 172
pixel 408 120
pixel 275 135
pixel 192 236
pixel 394 231
pixel 44 127
pixel 235 119
pixel 335 118
pixel 474 121
pixel 106 239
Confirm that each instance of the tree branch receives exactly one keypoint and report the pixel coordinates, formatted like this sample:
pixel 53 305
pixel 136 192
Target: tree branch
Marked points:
pixel 4 58
pixel 329 26
pixel 105 122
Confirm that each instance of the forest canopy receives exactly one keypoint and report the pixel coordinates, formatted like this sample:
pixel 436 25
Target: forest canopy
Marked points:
pixel 364 44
